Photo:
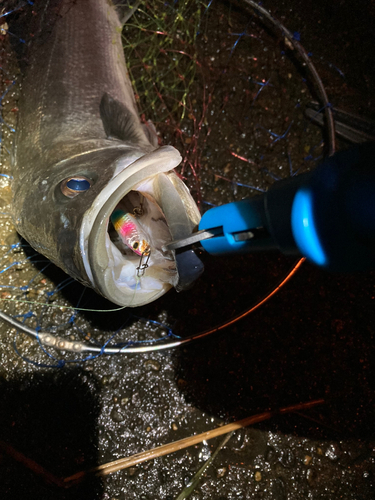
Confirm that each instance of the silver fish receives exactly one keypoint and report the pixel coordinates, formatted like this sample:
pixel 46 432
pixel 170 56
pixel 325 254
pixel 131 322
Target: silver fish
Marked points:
pixel 81 152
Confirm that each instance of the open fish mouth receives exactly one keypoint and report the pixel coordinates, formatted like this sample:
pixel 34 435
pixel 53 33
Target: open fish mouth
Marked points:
pixel 164 209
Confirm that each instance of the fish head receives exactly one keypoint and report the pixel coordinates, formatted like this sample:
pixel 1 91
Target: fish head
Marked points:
pixel 159 209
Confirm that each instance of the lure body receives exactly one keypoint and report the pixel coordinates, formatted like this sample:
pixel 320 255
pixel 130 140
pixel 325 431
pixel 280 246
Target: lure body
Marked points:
pixel 127 228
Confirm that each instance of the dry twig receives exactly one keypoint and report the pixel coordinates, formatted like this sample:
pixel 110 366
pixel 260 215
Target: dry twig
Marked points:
pixel 124 463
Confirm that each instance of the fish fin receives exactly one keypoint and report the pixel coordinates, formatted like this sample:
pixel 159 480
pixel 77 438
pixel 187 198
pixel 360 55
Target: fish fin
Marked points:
pixel 125 9
pixel 120 123
pixel 150 132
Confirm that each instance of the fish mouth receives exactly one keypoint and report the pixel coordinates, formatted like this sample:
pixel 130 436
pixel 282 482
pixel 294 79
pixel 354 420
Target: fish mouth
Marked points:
pixel 117 272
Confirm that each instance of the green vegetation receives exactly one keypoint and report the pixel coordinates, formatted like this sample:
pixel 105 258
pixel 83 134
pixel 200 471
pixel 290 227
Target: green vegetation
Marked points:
pixel 159 45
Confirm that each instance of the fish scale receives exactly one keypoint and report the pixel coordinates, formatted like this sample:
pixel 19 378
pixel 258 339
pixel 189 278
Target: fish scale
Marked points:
pixel 69 72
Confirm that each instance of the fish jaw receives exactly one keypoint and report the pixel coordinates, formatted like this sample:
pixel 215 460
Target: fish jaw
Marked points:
pixel 104 265
pixel 73 232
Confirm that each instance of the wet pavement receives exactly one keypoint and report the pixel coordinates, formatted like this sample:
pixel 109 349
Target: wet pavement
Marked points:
pixel 314 339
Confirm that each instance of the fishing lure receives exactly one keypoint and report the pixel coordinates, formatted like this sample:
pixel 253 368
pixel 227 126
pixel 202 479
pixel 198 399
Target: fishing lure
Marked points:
pixel 128 230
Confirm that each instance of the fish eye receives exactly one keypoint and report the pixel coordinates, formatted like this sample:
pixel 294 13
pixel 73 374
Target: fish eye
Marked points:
pixel 136 245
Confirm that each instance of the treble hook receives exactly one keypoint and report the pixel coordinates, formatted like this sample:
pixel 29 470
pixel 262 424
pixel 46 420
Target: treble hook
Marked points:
pixel 143 265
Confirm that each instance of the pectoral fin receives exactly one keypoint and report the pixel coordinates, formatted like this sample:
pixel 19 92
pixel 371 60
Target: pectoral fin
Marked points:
pixel 150 132
pixel 120 123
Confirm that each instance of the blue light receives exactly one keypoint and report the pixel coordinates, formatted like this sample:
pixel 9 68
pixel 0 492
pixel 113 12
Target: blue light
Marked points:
pixel 304 229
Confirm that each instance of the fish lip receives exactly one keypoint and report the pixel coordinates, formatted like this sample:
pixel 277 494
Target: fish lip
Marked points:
pixel 181 223
pixel 94 235
pixel 189 268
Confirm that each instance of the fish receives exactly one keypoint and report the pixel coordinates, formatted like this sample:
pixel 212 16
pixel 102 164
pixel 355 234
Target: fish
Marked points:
pixel 81 153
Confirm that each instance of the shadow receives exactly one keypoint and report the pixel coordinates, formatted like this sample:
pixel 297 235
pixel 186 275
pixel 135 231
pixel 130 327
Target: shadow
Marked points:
pixel 210 302
pixel 50 419
pixel 228 286
pixel 313 340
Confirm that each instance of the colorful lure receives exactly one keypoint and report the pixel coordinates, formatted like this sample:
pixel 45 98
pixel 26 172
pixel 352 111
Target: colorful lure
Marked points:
pixel 128 230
